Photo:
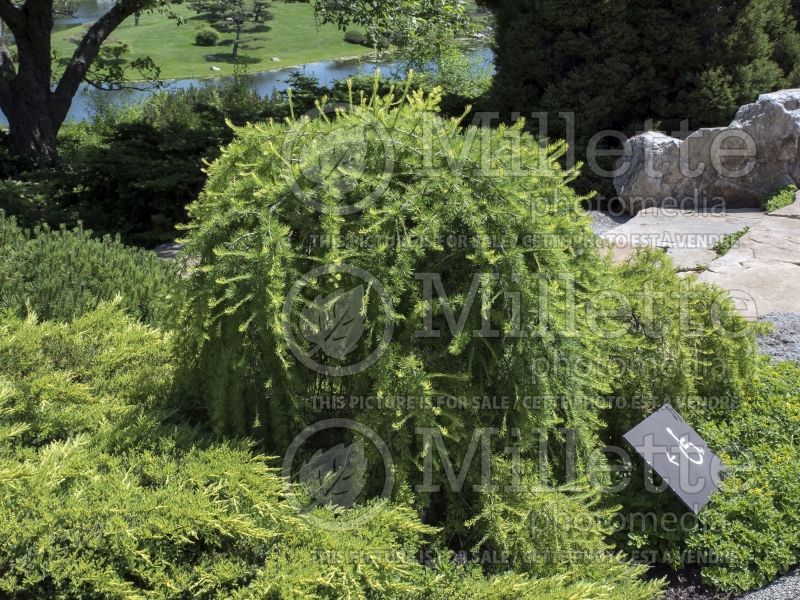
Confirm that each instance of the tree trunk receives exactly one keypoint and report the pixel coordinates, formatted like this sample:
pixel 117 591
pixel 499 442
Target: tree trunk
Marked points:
pixel 35 111
pixel 236 41
pixel 31 124
pixel 25 96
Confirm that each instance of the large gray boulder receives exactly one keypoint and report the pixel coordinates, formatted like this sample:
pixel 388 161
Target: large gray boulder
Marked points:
pixel 723 167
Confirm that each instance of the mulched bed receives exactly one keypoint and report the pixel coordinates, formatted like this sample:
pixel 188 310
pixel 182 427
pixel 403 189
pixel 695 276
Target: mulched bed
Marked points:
pixel 687 585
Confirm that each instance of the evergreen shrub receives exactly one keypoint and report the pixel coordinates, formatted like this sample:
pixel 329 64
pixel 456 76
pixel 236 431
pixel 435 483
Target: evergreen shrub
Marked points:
pixel 104 494
pixel 356 37
pixel 206 37
pixel 62 274
pixel 267 217
pixel 751 530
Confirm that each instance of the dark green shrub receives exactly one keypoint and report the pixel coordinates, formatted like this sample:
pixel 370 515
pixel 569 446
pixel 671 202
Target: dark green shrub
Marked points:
pixel 617 65
pixel 35 200
pixel 356 37
pixel 206 37
pixel 145 165
pixel 63 274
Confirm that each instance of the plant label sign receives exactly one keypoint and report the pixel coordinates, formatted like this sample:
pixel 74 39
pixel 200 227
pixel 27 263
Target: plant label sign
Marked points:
pixel 679 455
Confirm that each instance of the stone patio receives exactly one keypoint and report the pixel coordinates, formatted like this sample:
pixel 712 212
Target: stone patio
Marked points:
pixel 761 271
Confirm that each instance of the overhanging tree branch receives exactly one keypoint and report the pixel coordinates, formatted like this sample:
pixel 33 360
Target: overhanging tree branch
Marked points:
pixel 11 15
pixel 87 51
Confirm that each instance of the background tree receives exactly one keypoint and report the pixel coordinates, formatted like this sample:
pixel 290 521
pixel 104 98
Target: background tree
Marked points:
pixel 36 111
pixel 261 11
pixel 236 17
pixel 424 31
pixel 616 65
pixel 112 68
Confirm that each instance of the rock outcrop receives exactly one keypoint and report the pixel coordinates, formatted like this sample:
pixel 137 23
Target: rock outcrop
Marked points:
pixel 723 167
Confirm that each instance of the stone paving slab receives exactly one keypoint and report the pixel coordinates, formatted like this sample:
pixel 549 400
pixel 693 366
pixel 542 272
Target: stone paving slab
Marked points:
pixel 792 211
pixel 760 287
pixel 687 236
pixel 761 271
pixel 773 239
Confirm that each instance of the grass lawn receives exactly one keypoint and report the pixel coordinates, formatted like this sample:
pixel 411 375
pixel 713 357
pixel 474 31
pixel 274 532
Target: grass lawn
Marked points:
pixel 293 37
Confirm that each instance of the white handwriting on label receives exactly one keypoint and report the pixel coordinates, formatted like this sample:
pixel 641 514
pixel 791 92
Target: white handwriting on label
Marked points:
pixel 684 446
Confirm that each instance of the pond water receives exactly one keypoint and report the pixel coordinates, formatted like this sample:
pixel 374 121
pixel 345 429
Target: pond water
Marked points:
pixel 87 100
pixel 84 11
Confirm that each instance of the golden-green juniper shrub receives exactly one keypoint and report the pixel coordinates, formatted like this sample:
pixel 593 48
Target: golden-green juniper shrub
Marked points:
pixel 102 496
pixel 522 231
pixel 450 581
pixel 750 532
pixel 59 382
pixel 62 274
pixel 167 514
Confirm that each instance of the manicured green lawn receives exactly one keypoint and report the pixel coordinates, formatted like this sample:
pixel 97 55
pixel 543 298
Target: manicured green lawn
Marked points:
pixel 293 37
